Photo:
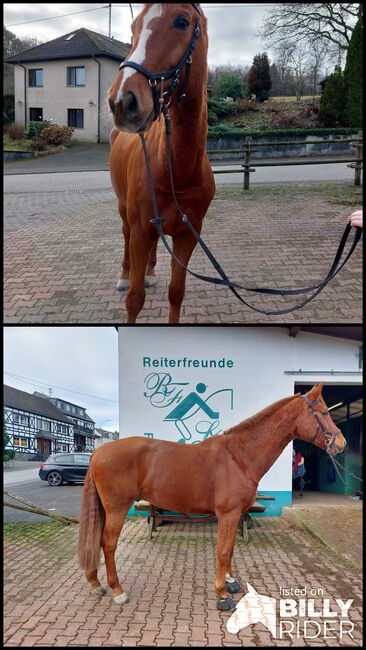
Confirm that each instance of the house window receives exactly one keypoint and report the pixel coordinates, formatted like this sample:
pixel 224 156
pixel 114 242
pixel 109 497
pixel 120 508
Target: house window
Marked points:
pixel 62 447
pixel 62 428
pixel 81 412
pixel 43 425
pixel 73 409
pixel 35 77
pixel 20 442
pixel 67 407
pixel 76 76
pixel 36 114
pixel 75 118
pixel 21 419
pixel 59 405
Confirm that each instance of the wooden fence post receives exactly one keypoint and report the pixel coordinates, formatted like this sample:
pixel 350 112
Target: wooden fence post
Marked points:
pixel 358 164
pixel 246 165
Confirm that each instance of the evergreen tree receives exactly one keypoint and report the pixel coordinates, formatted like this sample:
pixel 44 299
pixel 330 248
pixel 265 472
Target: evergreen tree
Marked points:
pixel 353 78
pixel 259 78
pixel 333 101
pixel 232 85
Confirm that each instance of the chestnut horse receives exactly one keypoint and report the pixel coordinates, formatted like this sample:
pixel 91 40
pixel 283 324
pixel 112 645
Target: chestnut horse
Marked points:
pixel 224 472
pixel 166 37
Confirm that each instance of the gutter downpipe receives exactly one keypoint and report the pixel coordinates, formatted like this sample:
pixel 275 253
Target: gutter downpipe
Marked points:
pixel 25 93
pixel 98 117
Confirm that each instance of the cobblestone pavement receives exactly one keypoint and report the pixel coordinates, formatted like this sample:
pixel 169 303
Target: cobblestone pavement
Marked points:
pixel 170 583
pixel 63 253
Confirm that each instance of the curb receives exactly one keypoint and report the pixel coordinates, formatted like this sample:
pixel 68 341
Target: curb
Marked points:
pixel 297 521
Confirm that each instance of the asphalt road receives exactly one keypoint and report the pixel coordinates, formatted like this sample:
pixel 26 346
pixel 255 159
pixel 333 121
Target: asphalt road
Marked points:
pixel 64 500
pixel 86 181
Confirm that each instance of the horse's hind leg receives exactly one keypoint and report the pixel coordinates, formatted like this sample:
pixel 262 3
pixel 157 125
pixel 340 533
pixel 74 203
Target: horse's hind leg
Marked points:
pixel 112 528
pixel 96 588
pixel 150 278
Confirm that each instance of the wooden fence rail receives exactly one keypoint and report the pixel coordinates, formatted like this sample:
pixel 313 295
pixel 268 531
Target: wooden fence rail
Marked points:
pixel 247 149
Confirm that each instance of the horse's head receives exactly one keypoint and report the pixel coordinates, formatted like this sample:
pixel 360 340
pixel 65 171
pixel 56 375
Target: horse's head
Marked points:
pixel 163 35
pixel 315 425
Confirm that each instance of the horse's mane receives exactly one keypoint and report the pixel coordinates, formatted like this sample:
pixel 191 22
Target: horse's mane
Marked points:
pixel 253 420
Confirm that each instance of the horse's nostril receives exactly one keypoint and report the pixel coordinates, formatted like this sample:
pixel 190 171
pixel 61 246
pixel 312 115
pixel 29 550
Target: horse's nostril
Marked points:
pixel 131 103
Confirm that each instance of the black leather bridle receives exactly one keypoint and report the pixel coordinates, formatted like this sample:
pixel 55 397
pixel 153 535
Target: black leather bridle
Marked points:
pixel 329 436
pixel 173 74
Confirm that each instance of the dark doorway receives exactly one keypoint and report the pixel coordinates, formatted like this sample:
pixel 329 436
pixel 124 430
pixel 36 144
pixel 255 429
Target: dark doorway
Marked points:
pixel 345 404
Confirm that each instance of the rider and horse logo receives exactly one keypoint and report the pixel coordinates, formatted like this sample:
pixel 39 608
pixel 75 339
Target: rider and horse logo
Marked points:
pixel 195 413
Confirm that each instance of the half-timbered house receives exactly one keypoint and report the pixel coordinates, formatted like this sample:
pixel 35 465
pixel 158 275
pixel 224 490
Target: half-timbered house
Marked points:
pixel 36 428
pixel 84 435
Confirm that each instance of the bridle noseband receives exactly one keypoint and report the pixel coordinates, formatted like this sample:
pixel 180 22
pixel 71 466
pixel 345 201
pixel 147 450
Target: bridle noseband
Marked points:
pixel 173 73
pixel 329 436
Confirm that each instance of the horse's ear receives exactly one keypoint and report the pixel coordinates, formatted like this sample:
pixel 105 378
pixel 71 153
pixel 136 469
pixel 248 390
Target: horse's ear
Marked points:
pixel 316 389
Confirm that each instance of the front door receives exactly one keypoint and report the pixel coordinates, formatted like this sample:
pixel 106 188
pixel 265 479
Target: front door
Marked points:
pixel 43 447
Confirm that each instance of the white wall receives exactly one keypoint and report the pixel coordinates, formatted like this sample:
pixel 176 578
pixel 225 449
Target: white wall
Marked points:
pixel 260 357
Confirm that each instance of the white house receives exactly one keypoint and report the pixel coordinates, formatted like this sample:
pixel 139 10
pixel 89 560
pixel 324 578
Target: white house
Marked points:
pixel 66 81
pixel 238 371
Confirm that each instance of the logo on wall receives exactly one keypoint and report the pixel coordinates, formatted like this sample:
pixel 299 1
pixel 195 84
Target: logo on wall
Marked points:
pixel 194 414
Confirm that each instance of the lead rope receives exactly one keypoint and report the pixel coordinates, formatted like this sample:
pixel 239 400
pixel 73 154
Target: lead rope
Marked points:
pixel 339 474
pixel 225 281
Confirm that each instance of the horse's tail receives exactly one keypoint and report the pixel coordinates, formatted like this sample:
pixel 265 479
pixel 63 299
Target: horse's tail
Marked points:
pixel 92 517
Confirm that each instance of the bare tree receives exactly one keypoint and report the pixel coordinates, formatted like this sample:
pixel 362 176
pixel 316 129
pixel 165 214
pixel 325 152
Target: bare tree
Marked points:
pixel 296 22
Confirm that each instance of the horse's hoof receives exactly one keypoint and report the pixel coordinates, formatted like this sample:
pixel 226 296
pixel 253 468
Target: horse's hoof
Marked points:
pixel 98 591
pixel 225 604
pixel 150 280
pixel 121 599
pixel 122 284
pixel 233 587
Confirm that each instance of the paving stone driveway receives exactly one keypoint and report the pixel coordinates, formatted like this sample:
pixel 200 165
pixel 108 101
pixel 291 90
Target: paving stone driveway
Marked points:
pixel 170 582
pixel 63 254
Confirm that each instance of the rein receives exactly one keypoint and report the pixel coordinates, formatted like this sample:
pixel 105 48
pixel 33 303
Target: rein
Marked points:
pixel 160 106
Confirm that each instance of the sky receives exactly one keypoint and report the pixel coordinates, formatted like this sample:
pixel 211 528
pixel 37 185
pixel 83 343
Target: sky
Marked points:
pixel 232 27
pixel 80 359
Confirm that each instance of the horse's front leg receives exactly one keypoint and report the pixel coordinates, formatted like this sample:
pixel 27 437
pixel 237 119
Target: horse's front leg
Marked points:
pixel 227 525
pixel 183 247
pixel 140 246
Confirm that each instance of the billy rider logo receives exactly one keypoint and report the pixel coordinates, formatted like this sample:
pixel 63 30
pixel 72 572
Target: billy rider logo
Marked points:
pixel 307 618
pixel 194 413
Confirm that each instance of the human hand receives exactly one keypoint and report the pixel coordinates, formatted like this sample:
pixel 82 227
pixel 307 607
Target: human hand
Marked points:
pixel 355 219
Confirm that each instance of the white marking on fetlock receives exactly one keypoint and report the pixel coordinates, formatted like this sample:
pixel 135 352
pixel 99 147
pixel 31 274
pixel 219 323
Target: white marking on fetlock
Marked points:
pixel 122 284
pixel 98 591
pixel 150 280
pixel 228 578
pixel 121 599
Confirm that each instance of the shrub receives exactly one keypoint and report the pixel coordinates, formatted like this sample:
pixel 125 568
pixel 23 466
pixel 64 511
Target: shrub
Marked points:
pixel 35 128
pixel 212 118
pixel 37 144
pixel 286 120
pixel 8 454
pixel 248 105
pixel 56 134
pixel 15 131
pixel 333 101
pixel 6 118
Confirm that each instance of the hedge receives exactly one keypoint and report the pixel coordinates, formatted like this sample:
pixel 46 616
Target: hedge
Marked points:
pixel 222 130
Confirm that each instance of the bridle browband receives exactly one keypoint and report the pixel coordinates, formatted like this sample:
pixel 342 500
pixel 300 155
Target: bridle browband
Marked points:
pixel 329 436
pixel 173 73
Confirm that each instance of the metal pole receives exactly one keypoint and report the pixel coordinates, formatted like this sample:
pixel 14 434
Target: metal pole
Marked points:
pixel 358 164
pixel 110 19
pixel 248 140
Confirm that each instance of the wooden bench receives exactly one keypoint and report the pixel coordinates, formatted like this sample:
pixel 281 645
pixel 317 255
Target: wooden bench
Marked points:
pixel 156 516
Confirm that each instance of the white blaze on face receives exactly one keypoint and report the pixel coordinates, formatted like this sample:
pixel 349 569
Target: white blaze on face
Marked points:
pixel 139 55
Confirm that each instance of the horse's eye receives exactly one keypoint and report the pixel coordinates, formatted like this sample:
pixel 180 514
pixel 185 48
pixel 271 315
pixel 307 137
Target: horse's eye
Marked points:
pixel 181 23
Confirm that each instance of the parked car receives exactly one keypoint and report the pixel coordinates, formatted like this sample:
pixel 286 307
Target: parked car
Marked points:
pixel 64 468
